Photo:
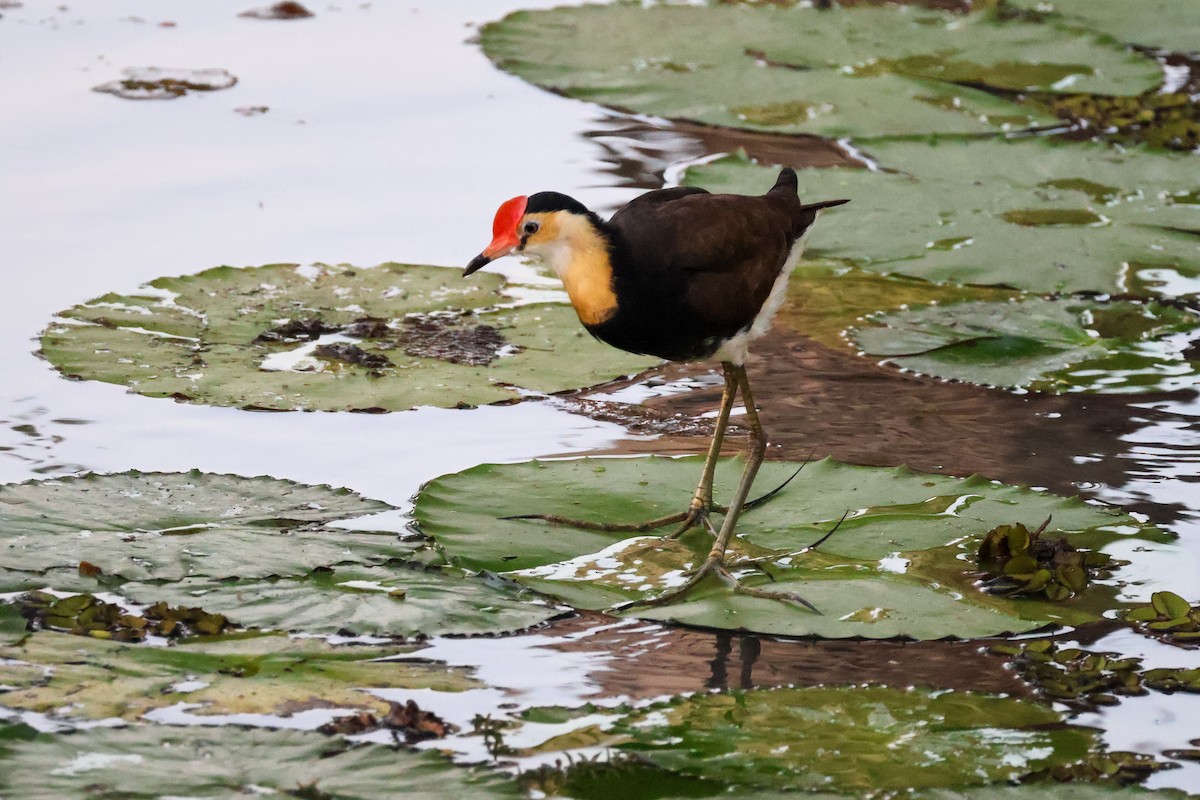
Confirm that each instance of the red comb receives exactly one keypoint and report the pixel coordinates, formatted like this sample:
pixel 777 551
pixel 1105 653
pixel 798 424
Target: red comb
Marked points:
pixel 507 217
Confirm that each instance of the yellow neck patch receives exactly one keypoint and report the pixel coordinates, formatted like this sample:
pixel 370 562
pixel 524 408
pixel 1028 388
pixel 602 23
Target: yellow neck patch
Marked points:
pixel 579 255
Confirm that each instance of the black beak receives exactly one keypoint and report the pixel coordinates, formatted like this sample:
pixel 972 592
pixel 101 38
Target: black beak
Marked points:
pixel 477 263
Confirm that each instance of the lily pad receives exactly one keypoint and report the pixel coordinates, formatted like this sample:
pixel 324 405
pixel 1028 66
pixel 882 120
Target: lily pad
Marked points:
pixel 1163 24
pixel 853 739
pixel 901 564
pixel 147 761
pixel 384 601
pixel 1055 346
pixel 167 526
pixel 835 72
pixel 1005 212
pixel 284 337
pixel 251 674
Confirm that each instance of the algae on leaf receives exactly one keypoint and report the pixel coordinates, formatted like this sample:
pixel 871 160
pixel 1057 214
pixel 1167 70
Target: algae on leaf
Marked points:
pixel 853 739
pixel 1032 214
pixel 285 337
pixel 167 526
pixel 861 71
pixel 1056 346
pixel 246 674
pixel 901 564
pixel 149 761
pixel 391 600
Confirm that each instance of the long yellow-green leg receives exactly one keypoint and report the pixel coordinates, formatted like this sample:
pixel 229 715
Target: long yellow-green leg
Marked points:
pixel 714 564
pixel 702 500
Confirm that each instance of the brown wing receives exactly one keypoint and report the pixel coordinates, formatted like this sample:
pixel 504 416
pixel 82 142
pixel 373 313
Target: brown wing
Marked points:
pixel 718 253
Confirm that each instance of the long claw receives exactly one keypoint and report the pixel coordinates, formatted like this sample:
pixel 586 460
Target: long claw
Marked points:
pixel 786 597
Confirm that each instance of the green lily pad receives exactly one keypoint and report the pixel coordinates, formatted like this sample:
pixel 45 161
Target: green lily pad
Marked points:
pixel 1056 346
pixel 12 624
pixel 147 761
pixel 284 337
pixel 1004 213
pixel 1164 24
pixel 837 72
pixel 167 526
pixel 902 563
pixel 390 600
pixel 853 739
pixel 256 674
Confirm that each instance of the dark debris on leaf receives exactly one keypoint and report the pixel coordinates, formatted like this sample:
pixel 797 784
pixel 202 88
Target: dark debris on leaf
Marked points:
pixel 85 615
pixel 408 720
pixel 296 330
pixel 444 338
pixel 351 354
pixel 368 328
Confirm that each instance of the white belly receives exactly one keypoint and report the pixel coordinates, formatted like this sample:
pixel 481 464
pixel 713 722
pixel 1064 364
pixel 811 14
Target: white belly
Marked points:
pixel 736 349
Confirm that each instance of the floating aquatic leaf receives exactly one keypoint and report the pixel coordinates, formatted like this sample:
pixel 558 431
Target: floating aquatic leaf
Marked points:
pixel 1024 563
pixel 167 526
pixel 287 338
pixel 392 600
pixel 958 190
pixel 1080 678
pixel 900 564
pixel 1169 617
pixel 837 72
pixel 1118 767
pixel 1056 346
pixel 148 761
pixel 157 83
pixel 1163 24
pixel 247 674
pixel 1160 119
pixel 853 739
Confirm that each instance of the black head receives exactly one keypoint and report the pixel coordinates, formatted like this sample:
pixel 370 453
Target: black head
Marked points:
pixel 554 201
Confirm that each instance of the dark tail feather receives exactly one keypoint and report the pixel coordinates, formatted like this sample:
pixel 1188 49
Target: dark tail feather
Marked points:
pixel 824 204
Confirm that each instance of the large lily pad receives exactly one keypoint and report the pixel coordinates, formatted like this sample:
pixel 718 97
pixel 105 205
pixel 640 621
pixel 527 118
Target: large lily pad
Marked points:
pixel 259 674
pixel 147 761
pixel 1165 24
pixel 1045 345
pixel 167 526
pixel 284 337
pixel 1032 213
pixel 853 739
pixel 391 601
pixel 836 72
pixel 900 565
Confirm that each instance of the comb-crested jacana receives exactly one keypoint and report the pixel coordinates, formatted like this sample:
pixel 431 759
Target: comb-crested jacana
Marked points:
pixel 684 275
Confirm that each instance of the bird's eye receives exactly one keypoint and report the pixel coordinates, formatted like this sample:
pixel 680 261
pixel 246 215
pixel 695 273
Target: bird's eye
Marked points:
pixel 531 228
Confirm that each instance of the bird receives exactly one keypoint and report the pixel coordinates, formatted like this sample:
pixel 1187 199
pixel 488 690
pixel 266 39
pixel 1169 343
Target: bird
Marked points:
pixel 685 275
